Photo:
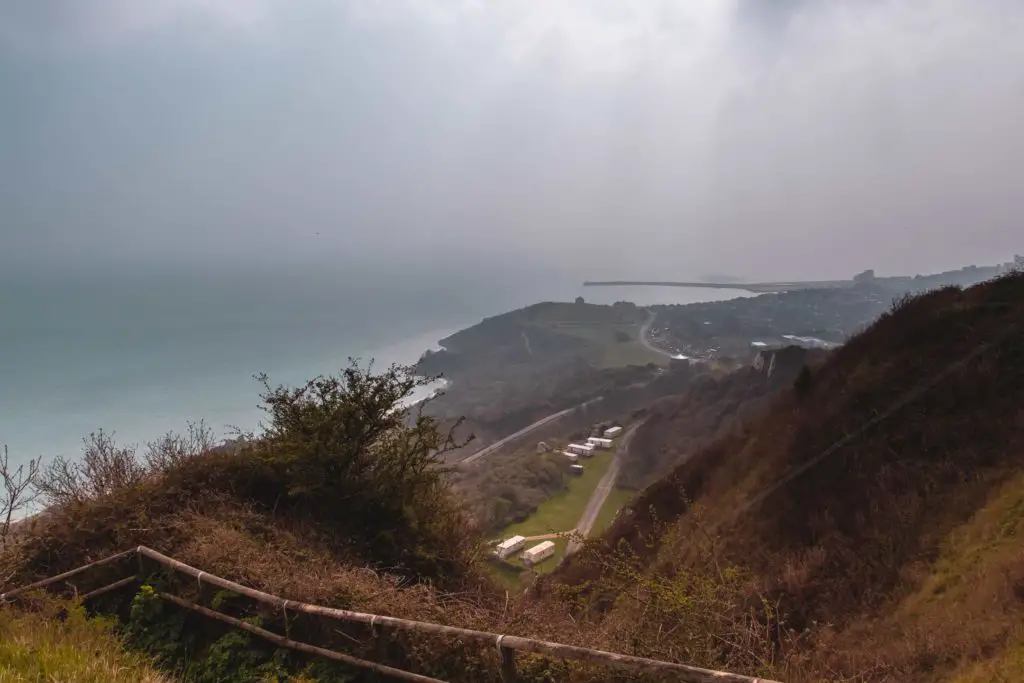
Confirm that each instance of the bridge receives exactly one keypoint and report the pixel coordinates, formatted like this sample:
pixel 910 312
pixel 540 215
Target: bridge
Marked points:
pixel 754 287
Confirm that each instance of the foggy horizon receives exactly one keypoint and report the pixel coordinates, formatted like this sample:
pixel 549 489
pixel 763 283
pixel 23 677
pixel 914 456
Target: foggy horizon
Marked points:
pixel 585 140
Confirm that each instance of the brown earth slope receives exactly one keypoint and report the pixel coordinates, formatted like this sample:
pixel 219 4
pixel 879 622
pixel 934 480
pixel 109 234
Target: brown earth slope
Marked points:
pixel 878 504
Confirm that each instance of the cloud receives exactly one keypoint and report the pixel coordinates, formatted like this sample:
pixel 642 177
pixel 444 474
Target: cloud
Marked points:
pixel 774 139
pixel 68 26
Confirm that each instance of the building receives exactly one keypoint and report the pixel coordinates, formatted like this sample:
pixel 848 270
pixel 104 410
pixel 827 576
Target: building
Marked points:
pixel 509 546
pixel 538 553
pixel 612 432
pixel 581 448
pixel 576 469
pixel 573 457
pixel 599 442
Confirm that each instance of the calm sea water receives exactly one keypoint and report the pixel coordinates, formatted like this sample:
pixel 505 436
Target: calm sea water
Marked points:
pixel 141 354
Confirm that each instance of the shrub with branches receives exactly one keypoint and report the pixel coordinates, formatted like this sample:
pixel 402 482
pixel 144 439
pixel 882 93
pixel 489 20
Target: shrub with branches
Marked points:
pixel 103 468
pixel 349 452
pixel 172 449
pixel 19 492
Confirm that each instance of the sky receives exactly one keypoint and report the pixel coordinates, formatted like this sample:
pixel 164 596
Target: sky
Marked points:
pixel 602 138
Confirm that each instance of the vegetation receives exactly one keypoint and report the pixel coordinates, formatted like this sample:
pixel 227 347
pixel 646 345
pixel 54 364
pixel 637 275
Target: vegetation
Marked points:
pixel 864 517
pixel 19 492
pixel 562 512
pixel 713 407
pixel 511 487
pixel 330 446
pixel 514 368
pixel 617 500
pixel 57 641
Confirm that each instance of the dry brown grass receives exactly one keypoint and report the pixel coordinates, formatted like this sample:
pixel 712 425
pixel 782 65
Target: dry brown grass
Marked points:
pixel 852 546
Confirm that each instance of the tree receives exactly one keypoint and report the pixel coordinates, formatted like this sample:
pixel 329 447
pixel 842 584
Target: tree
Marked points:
pixel 104 469
pixel 351 453
pixel 19 491
pixel 580 301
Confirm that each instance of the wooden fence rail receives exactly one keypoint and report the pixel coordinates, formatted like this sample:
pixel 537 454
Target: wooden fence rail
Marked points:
pixel 507 645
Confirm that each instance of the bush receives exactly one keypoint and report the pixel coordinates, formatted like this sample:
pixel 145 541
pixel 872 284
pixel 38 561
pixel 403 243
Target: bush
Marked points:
pixel 172 449
pixel 18 492
pixel 348 453
pixel 103 469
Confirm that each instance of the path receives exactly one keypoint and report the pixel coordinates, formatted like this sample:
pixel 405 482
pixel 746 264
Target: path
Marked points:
pixel 643 335
pixel 600 495
pixel 526 342
pixel 523 432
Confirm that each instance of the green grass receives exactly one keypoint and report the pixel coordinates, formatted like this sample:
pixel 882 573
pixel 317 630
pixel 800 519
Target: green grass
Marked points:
pixel 609 352
pixel 1004 667
pixel 39 647
pixel 560 513
pixel 616 499
pixel 563 510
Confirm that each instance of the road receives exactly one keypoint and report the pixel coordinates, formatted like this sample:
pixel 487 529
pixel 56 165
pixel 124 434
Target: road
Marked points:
pixel 600 495
pixel 487 450
pixel 644 329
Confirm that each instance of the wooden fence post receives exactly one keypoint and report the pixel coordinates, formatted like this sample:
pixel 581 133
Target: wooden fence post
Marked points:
pixel 508 663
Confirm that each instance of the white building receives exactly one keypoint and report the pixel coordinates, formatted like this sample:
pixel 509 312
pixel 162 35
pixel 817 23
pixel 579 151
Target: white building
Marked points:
pixel 539 552
pixel 573 457
pixel 576 469
pixel 581 448
pixel 612 432
pixel 509 546
pixel 599 442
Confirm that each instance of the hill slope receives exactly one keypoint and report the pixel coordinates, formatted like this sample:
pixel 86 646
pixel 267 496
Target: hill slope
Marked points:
pixel 708 410
pixel 856 501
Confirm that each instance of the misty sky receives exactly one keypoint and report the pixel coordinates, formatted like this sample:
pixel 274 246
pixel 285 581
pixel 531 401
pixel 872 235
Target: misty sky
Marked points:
pixel 794 138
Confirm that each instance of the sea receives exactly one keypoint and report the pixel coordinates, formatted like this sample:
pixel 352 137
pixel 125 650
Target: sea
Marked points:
pixel 142 353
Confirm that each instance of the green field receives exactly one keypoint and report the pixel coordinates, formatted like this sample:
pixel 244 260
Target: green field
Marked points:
pixel 616 500
pixel 560 513
pixel 607 350
pixel 563 510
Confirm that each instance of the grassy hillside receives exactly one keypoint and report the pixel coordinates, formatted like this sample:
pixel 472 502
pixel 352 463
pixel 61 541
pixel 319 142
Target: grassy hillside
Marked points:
pixel 868 522
pixel 513 367
pixel 58 642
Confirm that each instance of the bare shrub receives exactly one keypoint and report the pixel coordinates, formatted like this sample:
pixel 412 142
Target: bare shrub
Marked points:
pixel 172 449
pixel 19 492
pixel 104 468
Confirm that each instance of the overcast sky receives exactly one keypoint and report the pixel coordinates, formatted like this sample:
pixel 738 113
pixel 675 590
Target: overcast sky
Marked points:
pixel 794 138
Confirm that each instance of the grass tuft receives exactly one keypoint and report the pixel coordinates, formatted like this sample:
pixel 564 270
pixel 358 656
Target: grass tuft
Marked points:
pixel 58 642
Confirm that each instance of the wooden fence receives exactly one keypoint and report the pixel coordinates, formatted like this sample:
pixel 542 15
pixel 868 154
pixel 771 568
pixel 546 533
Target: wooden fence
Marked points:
pixel 507 645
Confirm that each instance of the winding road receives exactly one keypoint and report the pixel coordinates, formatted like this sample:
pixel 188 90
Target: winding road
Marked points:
pixel 643 335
